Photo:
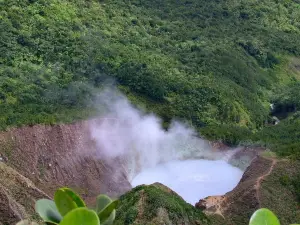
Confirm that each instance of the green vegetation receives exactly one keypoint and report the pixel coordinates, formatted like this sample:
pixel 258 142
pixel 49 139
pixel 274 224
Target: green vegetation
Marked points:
pixel 284 138
pixel 278 192
pixel 287 100
pixel 217 65
pixel 229 134
pixel 294 183
pixel 264 216
pixel 68 208
pixel 157 204
pixel 81 216
pixel 214 64
pixel 102 202
pixel 208 62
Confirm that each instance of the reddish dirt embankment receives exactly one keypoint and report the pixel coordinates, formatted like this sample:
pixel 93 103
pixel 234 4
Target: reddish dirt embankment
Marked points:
pixel 61 155
pixel 260 187
pixel 17 196
pixel 248 188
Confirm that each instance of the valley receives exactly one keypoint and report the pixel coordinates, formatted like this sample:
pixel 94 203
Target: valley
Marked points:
pixel 94 93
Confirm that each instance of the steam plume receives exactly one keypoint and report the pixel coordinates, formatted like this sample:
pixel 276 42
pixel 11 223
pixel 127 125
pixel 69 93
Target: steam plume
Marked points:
pixel 126 132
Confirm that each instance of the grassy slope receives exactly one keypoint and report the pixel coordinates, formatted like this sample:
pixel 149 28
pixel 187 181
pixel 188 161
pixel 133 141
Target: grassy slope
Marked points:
pixel 283 138
pixel 214 64
pixel 269 182
pixel 205 61
pixel 208 62
pixel 157 204
pixel 281 190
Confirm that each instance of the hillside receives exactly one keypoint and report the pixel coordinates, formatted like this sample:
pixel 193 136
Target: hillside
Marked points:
pixel 62 155
pixel 267 182
pixel 207 62
pixel 229 69
pixel 17 196
pixel 36 160
pixel 157 204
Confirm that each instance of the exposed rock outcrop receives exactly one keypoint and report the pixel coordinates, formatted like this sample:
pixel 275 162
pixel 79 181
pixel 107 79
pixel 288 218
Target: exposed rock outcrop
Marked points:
pixel 259 187
pixel 62 155
pixel 35 161
pixel 17 196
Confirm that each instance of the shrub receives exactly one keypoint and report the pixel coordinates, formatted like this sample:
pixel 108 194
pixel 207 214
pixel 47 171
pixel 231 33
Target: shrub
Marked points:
pixel 264 216
pixel 69 209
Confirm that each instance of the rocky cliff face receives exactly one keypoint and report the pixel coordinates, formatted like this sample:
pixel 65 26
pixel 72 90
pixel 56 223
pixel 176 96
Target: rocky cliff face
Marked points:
pixel 36 160
pixel 260 186
pixel 17 196
pixel 61 155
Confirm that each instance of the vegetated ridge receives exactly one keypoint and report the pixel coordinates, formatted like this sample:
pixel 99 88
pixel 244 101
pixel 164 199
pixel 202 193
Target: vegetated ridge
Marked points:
pixel 215 64
pixel 267 183
pixel 55 161
pixel 206 62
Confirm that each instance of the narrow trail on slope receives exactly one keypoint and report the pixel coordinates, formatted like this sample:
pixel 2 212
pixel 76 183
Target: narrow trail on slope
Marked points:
pixel 216 202
pixel 261 178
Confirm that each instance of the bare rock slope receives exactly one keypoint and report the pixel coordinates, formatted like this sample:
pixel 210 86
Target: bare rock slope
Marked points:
pixel 56 156
pixel 17 196
pixel 35 161
pixel 261 186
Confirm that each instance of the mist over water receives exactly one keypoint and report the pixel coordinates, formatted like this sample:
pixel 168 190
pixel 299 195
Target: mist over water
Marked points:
pixel 152 154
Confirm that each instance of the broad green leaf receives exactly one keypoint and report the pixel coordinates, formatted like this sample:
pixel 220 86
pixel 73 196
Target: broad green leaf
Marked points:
pixel 64 202
pixel 102 202
pixel 76 198
pixel 264 217
pixel 81 216
pixel 50 223
pixel 26 222
pixel 47 210
pixel 110 219
pixel 105 213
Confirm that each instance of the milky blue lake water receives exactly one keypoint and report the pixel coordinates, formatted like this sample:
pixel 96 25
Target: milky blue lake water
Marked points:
pixel 192 179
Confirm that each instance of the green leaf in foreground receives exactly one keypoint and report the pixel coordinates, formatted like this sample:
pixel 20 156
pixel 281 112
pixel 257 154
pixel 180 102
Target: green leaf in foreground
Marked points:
pixel 50 223
pixel 76 198
pixel 64 201
pixel 102 202
pixel 110 219
pixel 106 212
pixel 81 216
pixel 47 210
pixel 264 217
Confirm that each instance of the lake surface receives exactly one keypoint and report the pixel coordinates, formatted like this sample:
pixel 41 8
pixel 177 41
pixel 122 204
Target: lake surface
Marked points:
pixel 192 179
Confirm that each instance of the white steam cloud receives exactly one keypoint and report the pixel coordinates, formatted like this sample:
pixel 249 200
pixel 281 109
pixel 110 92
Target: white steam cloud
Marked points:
pixel 139 139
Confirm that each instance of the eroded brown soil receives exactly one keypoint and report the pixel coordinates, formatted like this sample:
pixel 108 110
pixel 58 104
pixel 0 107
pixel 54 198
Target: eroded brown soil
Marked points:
pixel 62 155
pixel 259 187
